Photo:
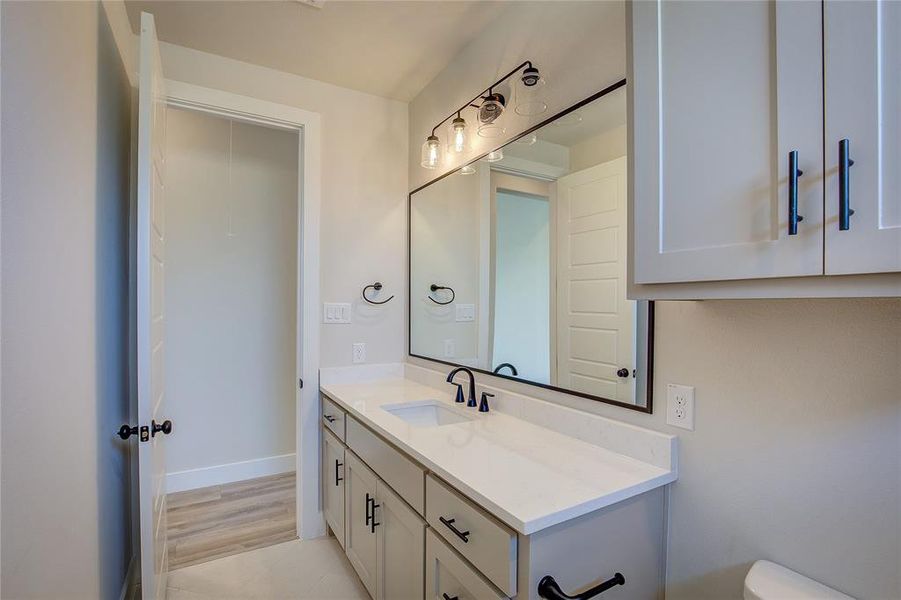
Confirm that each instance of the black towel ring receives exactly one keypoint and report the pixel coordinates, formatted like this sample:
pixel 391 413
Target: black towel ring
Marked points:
pixel 435 287
pixel 377 286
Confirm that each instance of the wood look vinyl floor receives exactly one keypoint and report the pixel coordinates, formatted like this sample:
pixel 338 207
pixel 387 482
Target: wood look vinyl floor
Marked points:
pixel 222 520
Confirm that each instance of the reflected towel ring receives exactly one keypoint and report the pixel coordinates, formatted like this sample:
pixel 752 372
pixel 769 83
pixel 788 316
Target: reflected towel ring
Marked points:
pixel 435 287
pixel 377 286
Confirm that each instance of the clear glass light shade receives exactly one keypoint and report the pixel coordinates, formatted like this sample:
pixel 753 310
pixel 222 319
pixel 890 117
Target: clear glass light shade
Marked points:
pixel 431 152
pixel 457 137
pixel 489 113
pixel 527 140
pixel 529 91
pixel 467 170
pixel 495 155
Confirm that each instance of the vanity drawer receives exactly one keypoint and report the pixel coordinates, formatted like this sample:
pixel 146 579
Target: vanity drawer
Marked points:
pixel 403 475
pixel 449 576
pixel 483 541
pixel 333 417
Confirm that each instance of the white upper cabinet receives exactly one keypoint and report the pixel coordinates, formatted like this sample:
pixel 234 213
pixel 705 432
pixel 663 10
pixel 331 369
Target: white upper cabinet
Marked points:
pixel 724 96
pixel 863 106
pixel 722 92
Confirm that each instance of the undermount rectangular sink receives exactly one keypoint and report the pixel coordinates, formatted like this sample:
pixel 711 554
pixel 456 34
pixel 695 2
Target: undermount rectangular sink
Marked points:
pixel 426 413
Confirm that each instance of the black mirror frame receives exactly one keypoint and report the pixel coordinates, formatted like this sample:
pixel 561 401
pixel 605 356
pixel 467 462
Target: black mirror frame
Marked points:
pixel 649 366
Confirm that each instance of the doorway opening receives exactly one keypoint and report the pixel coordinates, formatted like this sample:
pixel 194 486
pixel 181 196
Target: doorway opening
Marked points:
pixel 230 292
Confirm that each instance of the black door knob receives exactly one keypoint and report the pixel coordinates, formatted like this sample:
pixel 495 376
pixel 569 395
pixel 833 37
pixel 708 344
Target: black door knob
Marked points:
pixel 126 432
pixel 624 372
pixel 166 427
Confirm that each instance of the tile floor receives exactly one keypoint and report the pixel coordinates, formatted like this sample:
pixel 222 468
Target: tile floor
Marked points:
pixel 300 569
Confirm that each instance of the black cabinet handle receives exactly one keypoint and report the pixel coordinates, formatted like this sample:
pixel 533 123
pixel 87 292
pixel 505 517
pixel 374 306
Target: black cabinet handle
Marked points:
pixel 329 418
pixel 446 597
pixel 338 464
pixel 373 523
pixel 793 173
pixel 549 590
pixel 449 523
pixel 165 427
pixel 368 500
pixel 844 185
pixel 624 372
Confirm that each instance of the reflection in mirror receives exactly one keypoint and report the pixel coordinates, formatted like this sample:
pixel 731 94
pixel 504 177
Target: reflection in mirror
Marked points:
pixel 518 263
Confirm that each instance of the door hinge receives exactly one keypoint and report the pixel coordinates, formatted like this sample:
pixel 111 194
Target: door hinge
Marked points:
pixel 300 383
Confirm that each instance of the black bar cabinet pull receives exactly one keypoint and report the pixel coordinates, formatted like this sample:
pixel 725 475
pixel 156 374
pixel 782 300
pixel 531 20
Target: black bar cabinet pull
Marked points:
pixel 338 464
pixel 449 523
pixel 844 185
pixel 446 597
pixel 549 590
pixel 373 523
pixel 368 500
pixel 329 418
pixel 793 173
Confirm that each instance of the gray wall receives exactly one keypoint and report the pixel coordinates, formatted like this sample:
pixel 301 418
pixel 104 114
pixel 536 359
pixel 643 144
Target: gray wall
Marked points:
pixel 65 148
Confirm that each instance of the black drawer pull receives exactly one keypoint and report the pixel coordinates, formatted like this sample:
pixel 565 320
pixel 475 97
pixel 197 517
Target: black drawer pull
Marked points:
pixel 844 185
pixel 446 597
pixel 373 524
pixel 329 418
pixel 449 523
pixel 369 500
pixel 549 590
pixel 338 464
pixel 793 173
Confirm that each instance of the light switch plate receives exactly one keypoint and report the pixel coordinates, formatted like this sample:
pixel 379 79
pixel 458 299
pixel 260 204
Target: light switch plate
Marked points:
pixel 359 352
pixel 450 348
pixel 336 312
pixel 680 406
pixel 466 313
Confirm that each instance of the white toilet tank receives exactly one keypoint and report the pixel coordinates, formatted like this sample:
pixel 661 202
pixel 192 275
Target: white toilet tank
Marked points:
pixel 769 581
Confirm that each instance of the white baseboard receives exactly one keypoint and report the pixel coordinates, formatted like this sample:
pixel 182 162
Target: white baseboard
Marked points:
pixel 192 479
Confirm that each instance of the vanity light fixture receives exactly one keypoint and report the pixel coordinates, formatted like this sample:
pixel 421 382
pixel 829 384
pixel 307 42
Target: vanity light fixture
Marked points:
pixel 490 106
pixel 467 170
pixel 495 155
pixel 529 100
pixel 431 152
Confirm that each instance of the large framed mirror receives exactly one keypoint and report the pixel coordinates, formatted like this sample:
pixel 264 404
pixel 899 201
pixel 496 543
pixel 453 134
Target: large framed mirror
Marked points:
pixel 518 261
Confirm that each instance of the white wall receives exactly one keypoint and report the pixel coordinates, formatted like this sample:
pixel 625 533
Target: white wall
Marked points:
pixel 445 222
pixel 364 187
pixel 231 249
pixel 600 148
pixel 796 456
pixel 65 148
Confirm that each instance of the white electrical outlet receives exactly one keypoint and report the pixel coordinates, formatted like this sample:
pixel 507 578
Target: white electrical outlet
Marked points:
pixel 450 348
pixel 680 406
pixel 359 352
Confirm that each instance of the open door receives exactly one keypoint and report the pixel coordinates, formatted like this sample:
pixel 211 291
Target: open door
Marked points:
pixel 150 314
pixel 595 321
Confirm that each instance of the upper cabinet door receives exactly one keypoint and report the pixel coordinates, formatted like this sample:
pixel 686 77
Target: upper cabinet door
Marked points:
pixel 863 106
pixel 720 94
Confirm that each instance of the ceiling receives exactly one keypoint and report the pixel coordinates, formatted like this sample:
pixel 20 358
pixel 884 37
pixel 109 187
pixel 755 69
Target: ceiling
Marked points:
pixel 388 48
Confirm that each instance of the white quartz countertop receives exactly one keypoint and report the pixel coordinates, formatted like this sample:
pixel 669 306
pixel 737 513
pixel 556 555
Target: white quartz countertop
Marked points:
pixel 527 476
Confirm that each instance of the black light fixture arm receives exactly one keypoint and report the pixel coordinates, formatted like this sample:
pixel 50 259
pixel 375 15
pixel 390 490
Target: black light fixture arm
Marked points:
pixel 488 90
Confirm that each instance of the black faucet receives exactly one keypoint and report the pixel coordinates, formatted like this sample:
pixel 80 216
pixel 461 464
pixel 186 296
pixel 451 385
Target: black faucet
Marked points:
pixel 472 383
pixel 513 370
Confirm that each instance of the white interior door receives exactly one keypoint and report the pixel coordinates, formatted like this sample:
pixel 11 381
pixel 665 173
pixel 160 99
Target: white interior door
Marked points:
pixel 150 315
pixel 595 321
pixel 863 106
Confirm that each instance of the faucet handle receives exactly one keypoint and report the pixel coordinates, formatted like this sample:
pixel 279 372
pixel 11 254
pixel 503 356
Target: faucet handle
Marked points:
pixel 483 405
pixel 459 397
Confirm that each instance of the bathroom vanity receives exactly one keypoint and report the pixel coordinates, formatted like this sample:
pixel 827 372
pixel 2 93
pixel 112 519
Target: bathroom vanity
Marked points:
pixel 432 499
